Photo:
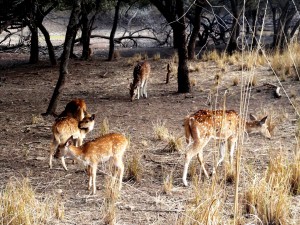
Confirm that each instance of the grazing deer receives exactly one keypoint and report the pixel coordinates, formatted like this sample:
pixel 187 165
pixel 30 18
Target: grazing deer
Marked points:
pixel 141 74
pixel 66 127
pixel 206 124
pixel 110 146
pixel 76 109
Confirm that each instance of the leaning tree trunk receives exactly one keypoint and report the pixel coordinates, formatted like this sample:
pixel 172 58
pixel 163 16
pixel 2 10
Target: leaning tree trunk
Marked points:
pixel 49 44
pixel 183 72
pixel 195 32
pixel 63 71
pixel 113 32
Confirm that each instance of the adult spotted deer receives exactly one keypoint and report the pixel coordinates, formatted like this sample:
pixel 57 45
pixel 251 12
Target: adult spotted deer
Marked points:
pixel 66 127
pixel 219 124
pixel 141 74
pixel 76 109
pixel 110 146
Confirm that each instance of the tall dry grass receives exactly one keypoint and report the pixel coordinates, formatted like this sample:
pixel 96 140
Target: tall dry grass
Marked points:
pixel 19 204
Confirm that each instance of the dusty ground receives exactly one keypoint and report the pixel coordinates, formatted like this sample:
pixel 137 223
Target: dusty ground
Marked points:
pixel 25 136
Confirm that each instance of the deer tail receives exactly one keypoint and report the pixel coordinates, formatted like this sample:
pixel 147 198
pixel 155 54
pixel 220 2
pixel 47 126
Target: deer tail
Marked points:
pixel 187 128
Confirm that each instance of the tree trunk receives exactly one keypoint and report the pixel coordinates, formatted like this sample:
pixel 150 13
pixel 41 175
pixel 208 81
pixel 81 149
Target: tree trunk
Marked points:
pixel 235 30
pixel 34 44
pixel 63 71
pixel 183 72
pixel 113 32
pixel 49 44
pixel 195 32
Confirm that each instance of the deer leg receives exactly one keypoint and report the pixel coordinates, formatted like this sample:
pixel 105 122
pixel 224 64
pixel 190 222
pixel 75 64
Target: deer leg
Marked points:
pixel 197 148
pixel 145 89
pixel 120 167
pixel 222 153
pixel 138 92
pixel 200 159
pixel 53 147
pixel 94 173
pixel 232 142
pixel 89 172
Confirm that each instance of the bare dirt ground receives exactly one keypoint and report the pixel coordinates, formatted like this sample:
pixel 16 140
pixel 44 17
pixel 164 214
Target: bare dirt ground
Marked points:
pixel 25 136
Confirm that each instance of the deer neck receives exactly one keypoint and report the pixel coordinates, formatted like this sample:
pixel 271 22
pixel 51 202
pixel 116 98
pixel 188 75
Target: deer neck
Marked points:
pixel 77 153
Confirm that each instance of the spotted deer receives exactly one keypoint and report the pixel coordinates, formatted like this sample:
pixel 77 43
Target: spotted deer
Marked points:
pixel 141 74
pixel 110 146
pixel 219 124
pixel 66 127
pixel 76 109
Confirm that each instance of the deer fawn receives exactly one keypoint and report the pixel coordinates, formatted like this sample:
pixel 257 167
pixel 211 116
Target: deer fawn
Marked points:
pixel 66 127
pixel 141 74
pixel 110 146
pixel 206 124
pixel 76 109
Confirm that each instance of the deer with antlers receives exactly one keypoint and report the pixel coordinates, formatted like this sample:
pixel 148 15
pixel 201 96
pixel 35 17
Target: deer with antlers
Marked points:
pixel 141 74
pixel 219 124
pixel 110 146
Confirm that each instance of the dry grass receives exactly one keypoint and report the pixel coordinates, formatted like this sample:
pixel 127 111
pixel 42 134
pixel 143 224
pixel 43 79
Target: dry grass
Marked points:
pixel 156 57
pixel 20 205
pixel 235 81
pixel 168 184
pixel 268 197
pixel 37 119
pixel 112 194
pixel 206 206
pixel 104 127
pixel 135 58
pixel 116 54
pixel 161 131
pixel 135 168
pixel 174 143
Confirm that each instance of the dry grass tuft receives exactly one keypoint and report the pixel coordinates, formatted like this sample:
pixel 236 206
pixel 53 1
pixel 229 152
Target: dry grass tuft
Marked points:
pixel 174 144
pixel 37 119
pixel 112 194
pixel 134 168
pixel 235 81
pixel 206 207
pixel 20 205
pixel 175 58
pixel 135 58
pixel 230 177
pixel 104 127
pixel 268 197
pixel 161 131
pixel 156 57
pixel 116 54
pixel 168 184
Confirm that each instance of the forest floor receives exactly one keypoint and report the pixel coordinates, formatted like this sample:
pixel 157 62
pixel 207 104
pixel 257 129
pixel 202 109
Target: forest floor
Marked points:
pixel 25 135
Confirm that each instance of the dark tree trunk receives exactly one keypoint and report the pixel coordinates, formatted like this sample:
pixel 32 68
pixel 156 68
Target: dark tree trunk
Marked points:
pixel 34 44
pixel 49 44
pixel 183 72
pixel 176 39
pixel 195 32
pixel 72 54
pixel 113 31
pixel 63 71
pixel 235 30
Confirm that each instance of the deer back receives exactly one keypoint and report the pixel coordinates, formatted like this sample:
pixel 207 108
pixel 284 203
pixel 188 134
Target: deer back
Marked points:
pixel 218 124
pixel 75 108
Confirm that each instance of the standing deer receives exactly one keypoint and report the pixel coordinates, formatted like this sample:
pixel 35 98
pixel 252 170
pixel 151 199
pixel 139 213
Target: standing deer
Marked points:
pixel 206 124
pixel 66 127
pixel 141 74
pixel 110 146
pixel 76 109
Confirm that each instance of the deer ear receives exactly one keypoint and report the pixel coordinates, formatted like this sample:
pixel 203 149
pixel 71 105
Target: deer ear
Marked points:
pixel 252 117
pixel 93 117
pixel 263 120
pixel 69 141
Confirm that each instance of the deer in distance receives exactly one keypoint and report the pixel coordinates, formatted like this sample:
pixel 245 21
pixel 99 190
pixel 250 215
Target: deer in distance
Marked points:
pixel 219 124
pixel 141 74
pixel 110 146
